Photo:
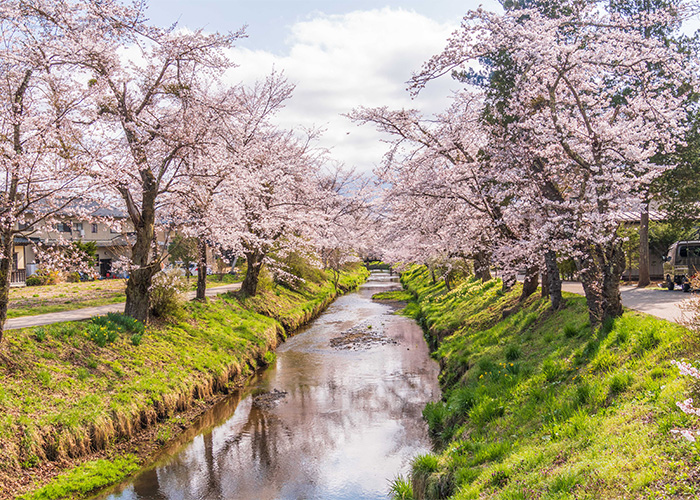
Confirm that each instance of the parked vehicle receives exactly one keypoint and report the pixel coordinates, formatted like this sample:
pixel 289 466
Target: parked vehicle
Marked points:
pixel 682 262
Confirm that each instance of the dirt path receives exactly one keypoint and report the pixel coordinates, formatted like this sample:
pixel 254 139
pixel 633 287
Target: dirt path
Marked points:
pixel 658 302
pixel 89 312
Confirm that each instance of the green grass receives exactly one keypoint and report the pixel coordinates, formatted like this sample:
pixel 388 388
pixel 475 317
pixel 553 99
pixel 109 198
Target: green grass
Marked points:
pixel 397 295
pixel 69 305
pixel 68 387
pixel 86 478
pixel 539 406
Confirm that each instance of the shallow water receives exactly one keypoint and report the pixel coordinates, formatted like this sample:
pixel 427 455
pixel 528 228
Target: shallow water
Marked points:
pixel 350 422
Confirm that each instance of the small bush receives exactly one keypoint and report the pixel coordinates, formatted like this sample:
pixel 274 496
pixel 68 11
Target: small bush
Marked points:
pixel 168 294
pixel 136 339
pixel 34 280
pixel 73 277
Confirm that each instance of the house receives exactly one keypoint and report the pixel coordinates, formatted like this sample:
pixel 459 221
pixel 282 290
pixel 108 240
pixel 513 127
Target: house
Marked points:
pixel 108 227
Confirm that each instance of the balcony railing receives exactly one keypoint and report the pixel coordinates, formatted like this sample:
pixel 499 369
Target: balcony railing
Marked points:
pixel 19 276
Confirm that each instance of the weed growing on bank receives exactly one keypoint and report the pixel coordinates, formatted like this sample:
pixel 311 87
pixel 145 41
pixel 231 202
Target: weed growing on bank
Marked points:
pixel 540 406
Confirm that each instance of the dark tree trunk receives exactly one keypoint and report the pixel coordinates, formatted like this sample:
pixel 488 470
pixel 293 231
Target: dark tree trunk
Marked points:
pixel 644 279
pixel 432 274
pixel 5 277
pixel 509 281
pixel 448 280
pixel 544 289
pixel 202 270
pixel 138 286
pixel 553 279
pixel 530 283
pixel 600 272
pixel 482 266
pixel 252 275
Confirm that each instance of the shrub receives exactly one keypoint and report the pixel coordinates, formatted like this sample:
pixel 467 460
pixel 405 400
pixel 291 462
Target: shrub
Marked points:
pixel 136 339
pixel 34 280
pixel 168 294
pixel 73 277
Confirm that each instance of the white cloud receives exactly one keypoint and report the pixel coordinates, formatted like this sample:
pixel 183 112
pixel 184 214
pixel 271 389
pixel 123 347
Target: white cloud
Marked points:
pixel 339 62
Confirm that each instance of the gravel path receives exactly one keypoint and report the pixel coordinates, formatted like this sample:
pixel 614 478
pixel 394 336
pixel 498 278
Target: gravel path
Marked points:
pixel 89 312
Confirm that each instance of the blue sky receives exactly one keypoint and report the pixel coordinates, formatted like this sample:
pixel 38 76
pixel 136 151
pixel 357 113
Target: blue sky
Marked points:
pixel 340 54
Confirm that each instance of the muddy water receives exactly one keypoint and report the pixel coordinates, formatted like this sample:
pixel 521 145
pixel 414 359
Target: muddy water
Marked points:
pixel 349 423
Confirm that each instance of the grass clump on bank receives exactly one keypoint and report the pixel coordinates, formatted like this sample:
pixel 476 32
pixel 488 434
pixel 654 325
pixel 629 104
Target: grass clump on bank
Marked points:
pixel 71 390
pixel 539 406
pixel 394 296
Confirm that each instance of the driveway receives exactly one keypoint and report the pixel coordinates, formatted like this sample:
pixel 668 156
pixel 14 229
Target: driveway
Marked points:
pixel 658 302
pixel 89 312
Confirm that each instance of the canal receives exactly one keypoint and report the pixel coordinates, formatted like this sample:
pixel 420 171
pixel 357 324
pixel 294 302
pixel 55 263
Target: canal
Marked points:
pixel 337 417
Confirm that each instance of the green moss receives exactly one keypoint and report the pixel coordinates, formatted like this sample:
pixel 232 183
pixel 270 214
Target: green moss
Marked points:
pixel 536 405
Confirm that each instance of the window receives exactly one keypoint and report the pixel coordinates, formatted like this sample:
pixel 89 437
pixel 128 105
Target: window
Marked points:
pixel 23 225
pixel 94 228
pixel 113 231
pixel 63 227
pixel 78 226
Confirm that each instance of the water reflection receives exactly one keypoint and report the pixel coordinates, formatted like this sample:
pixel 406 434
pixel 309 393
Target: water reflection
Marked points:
pixel 350 422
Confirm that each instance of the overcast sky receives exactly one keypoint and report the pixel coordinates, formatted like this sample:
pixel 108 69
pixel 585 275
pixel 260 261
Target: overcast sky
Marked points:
pixel 339 53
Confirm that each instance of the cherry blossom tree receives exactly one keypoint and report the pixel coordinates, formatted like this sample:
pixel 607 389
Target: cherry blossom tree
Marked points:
pixel 42 110
pixel 587 118
pixel 149 118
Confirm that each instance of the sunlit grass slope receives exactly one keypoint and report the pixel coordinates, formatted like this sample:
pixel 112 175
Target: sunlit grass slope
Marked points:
pixel 73 390
pixel 536 405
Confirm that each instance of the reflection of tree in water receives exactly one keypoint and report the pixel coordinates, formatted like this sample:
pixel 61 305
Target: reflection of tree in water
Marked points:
pixel 337 403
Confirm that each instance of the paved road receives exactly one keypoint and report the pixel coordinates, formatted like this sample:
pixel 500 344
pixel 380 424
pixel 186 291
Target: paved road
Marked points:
pixel 657 302
pixel 89 312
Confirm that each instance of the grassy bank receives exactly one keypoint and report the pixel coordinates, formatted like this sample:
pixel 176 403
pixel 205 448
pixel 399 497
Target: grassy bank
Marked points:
pixel 539 406
pixel 94 413
pixel 33 300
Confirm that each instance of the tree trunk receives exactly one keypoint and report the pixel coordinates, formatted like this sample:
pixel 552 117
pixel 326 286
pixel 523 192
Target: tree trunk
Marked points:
pixel 553 279
pixel 448 281
pixel 138 286
pixel 432 274
pixel 5 277
pixel 644 263
pixel 481 267
pixel 202 270
pixel 544 290
pixel 600 272
pixel 530 283
pixel 509 281
pixel 250 282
